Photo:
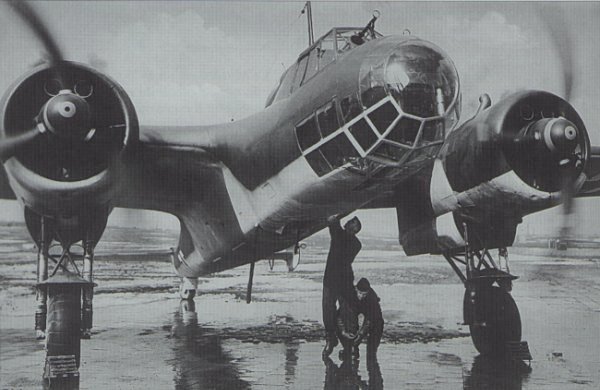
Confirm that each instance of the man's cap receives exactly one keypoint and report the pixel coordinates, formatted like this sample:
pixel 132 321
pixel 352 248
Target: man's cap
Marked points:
pixel 355 218
pixel 363 285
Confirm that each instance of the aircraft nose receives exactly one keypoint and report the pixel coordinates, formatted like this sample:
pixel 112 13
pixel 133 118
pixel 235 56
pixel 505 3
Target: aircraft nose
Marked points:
pixel 411 95
pixel 417 74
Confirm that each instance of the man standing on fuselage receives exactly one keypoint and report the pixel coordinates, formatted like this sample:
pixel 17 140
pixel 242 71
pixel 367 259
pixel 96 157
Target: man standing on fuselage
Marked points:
pixel 338 280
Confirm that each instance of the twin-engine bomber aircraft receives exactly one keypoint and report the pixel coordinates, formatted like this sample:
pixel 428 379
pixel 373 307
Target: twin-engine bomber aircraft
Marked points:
pixel 360 121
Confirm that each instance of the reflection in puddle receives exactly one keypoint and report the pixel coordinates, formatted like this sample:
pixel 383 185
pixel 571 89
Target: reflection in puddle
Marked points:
pixel 61 384
pixel 291 360
pixel 200 361
pixel 345 376
pixel 504 374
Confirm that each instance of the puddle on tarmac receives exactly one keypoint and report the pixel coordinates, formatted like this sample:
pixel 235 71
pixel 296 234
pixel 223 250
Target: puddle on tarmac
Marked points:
pixel 143 338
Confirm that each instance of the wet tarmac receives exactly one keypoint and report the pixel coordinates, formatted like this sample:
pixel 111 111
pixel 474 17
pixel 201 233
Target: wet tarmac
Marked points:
pixel 144 337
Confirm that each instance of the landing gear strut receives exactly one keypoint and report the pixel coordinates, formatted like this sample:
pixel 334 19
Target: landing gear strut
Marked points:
pixel 42 275
pixel 64 296
pixel 88 290
pixel 69 295
pixel 488 308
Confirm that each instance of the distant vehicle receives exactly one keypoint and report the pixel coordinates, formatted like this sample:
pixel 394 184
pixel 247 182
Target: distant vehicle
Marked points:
pixel 558 244
pixel 562 244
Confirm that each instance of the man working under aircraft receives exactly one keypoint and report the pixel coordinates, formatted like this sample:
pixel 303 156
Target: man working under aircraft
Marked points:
pixel 372 326
pixel 338 280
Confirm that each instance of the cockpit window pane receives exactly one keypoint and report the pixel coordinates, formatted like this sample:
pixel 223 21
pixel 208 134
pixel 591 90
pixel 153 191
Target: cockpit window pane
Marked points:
pixel 286 83
pixel 422 78
pixel 332 154
pixel 348 39
pixel 313 64
pixel 372 95
pixel 390 152
pixel 383 117
pixel 344 144
pixel 326 51
pixel 328 121
pixel 372 83
pixel 338 151
pixel 363 134
pixel 418 99
pixel 318 163
pixel 433 131
pixel 307 133
pixel 405 132
pixel 299 73
pixel 350 107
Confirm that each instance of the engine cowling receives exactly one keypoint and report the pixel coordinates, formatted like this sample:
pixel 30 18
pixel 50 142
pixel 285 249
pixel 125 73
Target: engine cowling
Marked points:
pixel 521 133
pixel 508 161
pixel 90 126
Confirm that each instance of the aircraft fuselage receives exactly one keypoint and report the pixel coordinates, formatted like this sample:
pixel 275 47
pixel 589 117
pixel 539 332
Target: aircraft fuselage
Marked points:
pixel 341 139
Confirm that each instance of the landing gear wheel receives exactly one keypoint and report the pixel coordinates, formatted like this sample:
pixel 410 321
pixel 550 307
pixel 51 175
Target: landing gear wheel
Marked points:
pixel 187 295
pixel 497 321
pixel 187 288
pixel 63 345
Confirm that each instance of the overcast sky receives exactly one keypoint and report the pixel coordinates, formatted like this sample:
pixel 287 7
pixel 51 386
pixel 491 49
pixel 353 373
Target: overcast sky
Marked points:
pixel 208 62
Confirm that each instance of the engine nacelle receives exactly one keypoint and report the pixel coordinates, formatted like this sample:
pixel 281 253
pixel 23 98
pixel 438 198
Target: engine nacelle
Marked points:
pixel 65 171
pixel 506 162
pixel 507 137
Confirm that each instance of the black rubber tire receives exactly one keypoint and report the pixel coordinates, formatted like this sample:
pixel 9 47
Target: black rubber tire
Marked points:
pixel 498 310
pixel 64 322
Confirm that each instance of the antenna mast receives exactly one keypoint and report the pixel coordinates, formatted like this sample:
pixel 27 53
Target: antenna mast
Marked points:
pixel 311 37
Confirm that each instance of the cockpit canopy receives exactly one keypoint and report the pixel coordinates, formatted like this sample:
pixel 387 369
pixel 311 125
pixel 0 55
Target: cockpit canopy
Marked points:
pixel 323 52
pixel 423 82
pixel 408 98
pixel 417 74
pixel 347 38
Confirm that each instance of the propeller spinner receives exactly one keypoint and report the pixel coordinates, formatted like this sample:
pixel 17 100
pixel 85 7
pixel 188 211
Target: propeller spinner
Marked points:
pixel 67 115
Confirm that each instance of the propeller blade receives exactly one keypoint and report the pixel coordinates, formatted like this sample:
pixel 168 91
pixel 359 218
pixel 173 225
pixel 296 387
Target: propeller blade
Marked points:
pixel 554 19
pixel 41 31
pixel 568 190
pixel 11 145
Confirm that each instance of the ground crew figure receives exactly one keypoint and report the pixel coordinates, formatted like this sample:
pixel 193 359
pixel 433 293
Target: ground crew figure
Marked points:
pixel 338 280
pixel 372 326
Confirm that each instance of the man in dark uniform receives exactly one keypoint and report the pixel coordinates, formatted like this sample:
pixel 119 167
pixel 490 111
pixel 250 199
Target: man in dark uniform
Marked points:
pixel 372 326
pixel 347 327
pixel 338 280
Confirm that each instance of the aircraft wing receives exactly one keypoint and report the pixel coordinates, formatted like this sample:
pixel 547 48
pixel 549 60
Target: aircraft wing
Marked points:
pixel 167 171
pixel 175 170
pixel 161 173
pixel 592 186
